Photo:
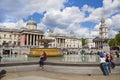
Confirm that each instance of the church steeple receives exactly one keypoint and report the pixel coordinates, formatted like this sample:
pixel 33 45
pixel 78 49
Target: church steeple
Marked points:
pixel 103 29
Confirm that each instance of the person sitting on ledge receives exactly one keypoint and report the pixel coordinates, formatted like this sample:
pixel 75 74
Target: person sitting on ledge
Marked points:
pixel 2 73
pixel 103 64
pixel 42 59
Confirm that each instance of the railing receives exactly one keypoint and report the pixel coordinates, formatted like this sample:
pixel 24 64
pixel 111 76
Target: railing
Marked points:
pixel 14 58
pixel 80 58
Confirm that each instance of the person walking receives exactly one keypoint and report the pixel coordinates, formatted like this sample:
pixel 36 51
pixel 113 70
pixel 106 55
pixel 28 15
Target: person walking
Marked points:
pixel 103 64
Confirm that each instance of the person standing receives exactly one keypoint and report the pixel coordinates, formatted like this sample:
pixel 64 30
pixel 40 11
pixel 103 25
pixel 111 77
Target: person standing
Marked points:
pixel 103 64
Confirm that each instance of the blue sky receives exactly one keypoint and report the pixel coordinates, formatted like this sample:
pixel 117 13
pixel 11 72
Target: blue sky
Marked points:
pixel 80 3
pixel 62 16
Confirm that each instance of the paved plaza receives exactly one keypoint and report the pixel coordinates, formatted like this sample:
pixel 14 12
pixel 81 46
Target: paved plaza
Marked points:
pixel 32 78
pixel 57 70
pixel 46 75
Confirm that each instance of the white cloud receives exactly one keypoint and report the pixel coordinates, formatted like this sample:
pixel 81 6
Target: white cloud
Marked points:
pixel 87 8
pixel 113 25
pixel 8 25
pixel 20 9
pixel 18 24
pixel 60 18
pixel 116 22
pixel 60 31
pixel 109 22
pixel 95 15
pixel 41 26
pixel 111 7
pixel 111 12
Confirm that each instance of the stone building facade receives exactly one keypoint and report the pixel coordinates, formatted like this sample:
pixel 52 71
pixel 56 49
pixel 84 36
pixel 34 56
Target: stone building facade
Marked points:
pixel 28 37
pixel 101 42
pixel 25 37
pixel 89 43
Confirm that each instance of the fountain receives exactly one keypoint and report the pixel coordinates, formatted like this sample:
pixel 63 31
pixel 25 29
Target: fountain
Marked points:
pixel 49 51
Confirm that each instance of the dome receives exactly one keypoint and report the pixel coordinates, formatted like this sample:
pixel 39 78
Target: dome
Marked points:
pixel 32 22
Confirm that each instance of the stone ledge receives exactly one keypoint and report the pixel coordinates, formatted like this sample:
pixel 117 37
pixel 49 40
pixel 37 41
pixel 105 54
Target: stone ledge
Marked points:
pixel 57 63
pixel 60 69
pixel 56 66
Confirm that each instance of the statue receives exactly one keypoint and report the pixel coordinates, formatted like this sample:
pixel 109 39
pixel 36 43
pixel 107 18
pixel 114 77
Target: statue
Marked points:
pixel 46 42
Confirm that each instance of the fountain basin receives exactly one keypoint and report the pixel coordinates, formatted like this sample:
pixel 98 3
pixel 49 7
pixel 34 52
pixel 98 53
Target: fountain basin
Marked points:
pixel 49 51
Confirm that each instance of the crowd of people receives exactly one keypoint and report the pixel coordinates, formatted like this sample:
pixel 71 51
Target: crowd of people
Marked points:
pixel 106 62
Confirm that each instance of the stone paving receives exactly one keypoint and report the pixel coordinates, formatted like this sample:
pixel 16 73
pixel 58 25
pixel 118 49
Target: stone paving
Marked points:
pixel 45 75
pixel 32 78
pixel 54 72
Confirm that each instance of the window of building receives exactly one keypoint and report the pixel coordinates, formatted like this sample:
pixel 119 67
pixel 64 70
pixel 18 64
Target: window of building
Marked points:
pixel 9 42
pixel 4 35
pixel 10 36
pixel 15 35
pixel 14 42
pixel 4 42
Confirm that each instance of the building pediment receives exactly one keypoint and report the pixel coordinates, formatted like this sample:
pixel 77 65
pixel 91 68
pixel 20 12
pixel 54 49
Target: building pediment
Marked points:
pixel 32 31
pixel 98 39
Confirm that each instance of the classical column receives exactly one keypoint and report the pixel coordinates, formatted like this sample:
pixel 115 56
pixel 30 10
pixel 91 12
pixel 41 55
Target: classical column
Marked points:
pixel 58 42
pixel 55 42
pixel 64 43
pixel 33 39
pixel 23 40
pixel 99 44
pixel 27 39
pixel 39 37
pixel 36 40
pixel 96 44
pixel 30 39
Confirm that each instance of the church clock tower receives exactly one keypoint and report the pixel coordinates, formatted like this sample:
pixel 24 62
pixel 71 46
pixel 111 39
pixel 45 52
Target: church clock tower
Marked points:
pixel 103 29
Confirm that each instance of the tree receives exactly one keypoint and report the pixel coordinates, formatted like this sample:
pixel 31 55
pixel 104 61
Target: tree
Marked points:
pixel 112 42
pixel 83 42
pixel 117 37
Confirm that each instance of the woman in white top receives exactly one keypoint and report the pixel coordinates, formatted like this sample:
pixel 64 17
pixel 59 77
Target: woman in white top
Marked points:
pixel 103 64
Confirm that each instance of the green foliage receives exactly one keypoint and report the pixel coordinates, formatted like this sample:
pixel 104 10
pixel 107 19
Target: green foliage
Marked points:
pixel 83 42
pixel 115 41
pixel 117 37
pixel 112 42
